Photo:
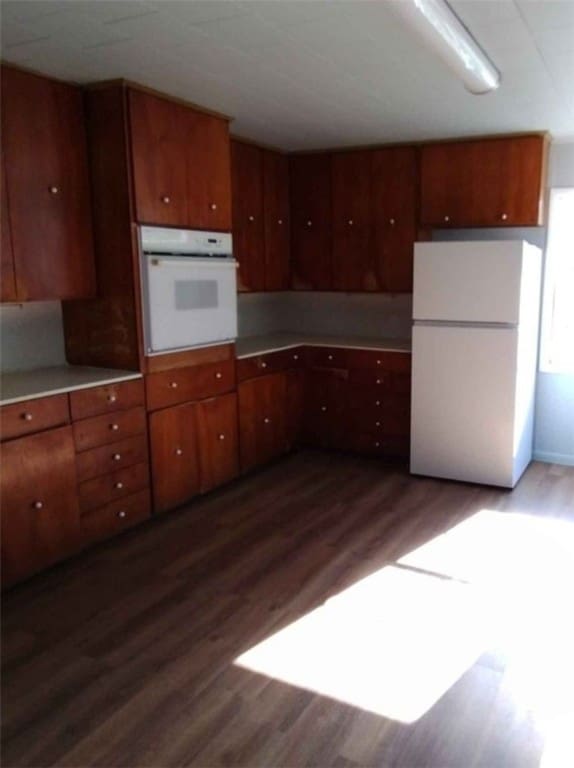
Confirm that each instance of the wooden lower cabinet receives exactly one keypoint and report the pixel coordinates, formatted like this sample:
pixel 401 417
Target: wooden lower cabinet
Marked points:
pixel 101 524
pixel 40 514
pixel 262 419
pixel 325 413
pixel 217 432
pixel 174 456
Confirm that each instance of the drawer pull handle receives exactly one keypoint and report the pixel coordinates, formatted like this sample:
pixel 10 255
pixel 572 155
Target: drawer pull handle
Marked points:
pixel 178 451
pixel 309 223
pixel 377 445
pixel 221 437
pixel 27 416
pixel 295 357
pixel 377 423
pixel 173 384
pixel 251 218
pixel 166 200
pixel 38 504
pixel 504 216
pixel 266 420
pixel 263 364
pixel 218 375
pixel 392 222
pixel 447 218
pixel 114 427
pixel 329 357
pixel 119 485
pixel 378 362
pixel 324 408
pixel 279 221
pixel 54 190
pixel 350 222
pixel 117 457
pixel 379 381
pixel 213 206
pixel 122 513
pixel 377 402
pixel 112 398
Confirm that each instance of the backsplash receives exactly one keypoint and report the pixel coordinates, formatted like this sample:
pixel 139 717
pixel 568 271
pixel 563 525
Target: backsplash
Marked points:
pixel 31 336
pixel 338 314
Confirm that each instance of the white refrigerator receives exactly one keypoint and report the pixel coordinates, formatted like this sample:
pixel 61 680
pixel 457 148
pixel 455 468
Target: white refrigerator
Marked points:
pixel 475 343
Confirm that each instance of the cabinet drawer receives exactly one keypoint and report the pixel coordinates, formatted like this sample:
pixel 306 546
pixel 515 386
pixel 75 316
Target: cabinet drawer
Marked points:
pixel 30 416
pixel 100 524
pixel 186 384
pixel 369 384
pixel 326 357
pixel 377 360
pixel 112 457
pixel 101 490
pixel 273 362
pixel 111 397
pixel 109 428
pixel 392 419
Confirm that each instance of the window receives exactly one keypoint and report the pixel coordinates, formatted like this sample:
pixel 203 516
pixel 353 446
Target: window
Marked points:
pixel 557 342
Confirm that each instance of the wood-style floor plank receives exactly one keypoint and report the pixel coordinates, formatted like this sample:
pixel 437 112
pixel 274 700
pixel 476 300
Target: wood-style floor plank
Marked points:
pixel 124 656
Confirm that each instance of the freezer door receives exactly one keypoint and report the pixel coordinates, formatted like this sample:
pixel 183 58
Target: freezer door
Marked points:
pixel 463 385
pixel 475 282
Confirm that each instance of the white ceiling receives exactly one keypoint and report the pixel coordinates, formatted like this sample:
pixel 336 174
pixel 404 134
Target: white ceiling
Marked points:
pixel 310 73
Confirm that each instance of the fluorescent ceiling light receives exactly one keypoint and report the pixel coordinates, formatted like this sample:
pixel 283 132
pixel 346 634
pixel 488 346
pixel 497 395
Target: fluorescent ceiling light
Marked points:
pixel 443 31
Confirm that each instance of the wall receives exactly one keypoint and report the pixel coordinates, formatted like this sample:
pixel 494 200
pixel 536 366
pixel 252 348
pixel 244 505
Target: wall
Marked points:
pixel 31 336
pixel 332 314
pixel 554 417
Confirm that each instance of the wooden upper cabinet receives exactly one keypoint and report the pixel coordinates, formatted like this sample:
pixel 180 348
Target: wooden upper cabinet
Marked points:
pixel 276 216
pixel 248 229
pixel 45 158
pixel 394 212
pixel 353 267
pixel 310 190
pixel 483 183
pixel 209 172
pixel 159 159
pixel 7 273
pixel 40 516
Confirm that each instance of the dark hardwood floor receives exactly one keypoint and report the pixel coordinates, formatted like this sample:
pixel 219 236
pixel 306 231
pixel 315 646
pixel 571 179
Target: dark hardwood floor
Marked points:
pixel 125 655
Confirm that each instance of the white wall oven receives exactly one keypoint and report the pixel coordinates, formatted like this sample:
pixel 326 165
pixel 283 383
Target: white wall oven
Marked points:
pixel 188 288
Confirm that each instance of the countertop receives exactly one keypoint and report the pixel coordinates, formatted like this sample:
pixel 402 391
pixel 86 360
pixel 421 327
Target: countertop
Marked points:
pixel 257 345
pixel 42 382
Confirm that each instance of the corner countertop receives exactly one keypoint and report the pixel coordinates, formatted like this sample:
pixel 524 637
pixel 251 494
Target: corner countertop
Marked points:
pixel 18 386
pixel 249 346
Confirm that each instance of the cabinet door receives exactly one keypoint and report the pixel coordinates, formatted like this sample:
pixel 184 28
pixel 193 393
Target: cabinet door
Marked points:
pixel 248 234
pixel 40 518
pixel 325 415
pixel 353 266
pixel 218 441
pixel 262 432
pixel 159 159
pixel 394 190
pixel 174 456
pixel 7 275
pixel 310 190
pixel 295 406
pixel 276 205
pixel 209 172
pixel 45 156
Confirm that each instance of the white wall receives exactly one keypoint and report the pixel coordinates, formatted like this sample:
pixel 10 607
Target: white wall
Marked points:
pixel 31 335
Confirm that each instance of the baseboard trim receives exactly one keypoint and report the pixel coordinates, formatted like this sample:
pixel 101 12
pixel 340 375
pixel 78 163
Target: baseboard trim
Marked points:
pixel 554 458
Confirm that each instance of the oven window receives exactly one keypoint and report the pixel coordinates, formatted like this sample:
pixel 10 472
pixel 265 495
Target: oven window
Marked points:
pixel 196 294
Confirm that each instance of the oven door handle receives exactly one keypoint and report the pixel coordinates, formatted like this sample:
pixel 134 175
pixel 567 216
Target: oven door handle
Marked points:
pixel 174 261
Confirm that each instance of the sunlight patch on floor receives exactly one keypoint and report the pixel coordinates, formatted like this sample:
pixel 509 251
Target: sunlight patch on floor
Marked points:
pixel 391 644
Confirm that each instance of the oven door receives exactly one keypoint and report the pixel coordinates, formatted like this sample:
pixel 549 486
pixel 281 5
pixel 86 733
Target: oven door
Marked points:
pixel 188 302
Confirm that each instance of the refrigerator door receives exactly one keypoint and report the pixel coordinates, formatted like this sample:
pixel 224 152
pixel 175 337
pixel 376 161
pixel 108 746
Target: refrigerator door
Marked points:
pixel 473 282
pixel 463 391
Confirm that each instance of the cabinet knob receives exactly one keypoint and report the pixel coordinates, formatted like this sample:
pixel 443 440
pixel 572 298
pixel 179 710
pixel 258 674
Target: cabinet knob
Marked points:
pixel 27 416
pixel 263 364
pixel 218 375
pixel 377 445
pixel 447 218
pixel 251 218
pixel 324 408
pixel 117 457
pixel 266 420
pixel 309 223
pixel 114 427
pixel 350 222
pixel 38 504
pixel 119 485
pixel 392 222
pixel 112 398
pixel 54 190
pixel 221 436
pixel 166 200
pixel 377 423
pixel 379 362
pixel 377 402
pixel 122 513
pixel 173 384
pixel 295 357
pixel 279 221
pixel 213 206
pixel 178 452
pixel 329 357
pixel 504 216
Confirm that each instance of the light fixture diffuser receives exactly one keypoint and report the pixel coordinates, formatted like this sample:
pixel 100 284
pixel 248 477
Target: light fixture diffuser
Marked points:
pixel 444 32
